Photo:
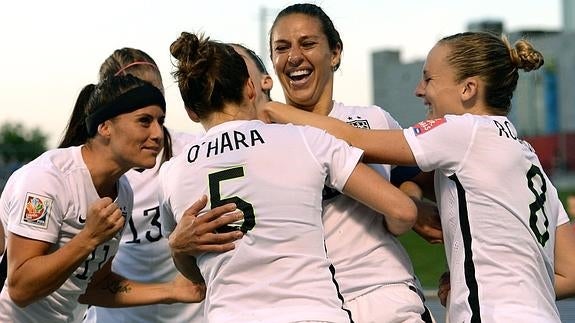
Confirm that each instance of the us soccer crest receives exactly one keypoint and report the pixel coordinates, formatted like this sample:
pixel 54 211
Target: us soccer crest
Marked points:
pixel 358 122
pixel 37 210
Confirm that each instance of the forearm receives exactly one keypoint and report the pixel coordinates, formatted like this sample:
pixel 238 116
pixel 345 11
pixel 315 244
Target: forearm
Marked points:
pixel 2 239
pixel 187 265
pixel 283 113
pixel 411 189
pixel 371 189
pixel 35 277
pixel 398 225
pixel 564 261
pixel 108 289
pixel 564 287
pixel 380 146
pixel 116 291
pixel 425 180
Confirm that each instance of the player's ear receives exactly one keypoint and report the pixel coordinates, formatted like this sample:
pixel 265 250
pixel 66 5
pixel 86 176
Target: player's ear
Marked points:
pixel 104 128
pixel 267 82
pixel 250 90
pixel 336 56
pixel 469 89
pixel 194 116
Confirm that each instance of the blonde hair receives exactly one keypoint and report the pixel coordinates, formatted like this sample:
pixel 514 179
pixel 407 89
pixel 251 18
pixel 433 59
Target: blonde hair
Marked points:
pixel 494 60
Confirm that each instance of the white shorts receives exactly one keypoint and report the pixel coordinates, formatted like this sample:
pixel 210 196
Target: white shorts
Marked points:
pixel 396 303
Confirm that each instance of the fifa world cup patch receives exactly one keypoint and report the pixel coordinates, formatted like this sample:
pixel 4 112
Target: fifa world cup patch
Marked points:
pixel 37 210
pixel 424 126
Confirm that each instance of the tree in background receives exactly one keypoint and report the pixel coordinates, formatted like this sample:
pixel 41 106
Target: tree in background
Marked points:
pixel 18 144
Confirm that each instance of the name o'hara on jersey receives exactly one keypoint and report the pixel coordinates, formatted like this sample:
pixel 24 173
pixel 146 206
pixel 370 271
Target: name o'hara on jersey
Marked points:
pixel 226 141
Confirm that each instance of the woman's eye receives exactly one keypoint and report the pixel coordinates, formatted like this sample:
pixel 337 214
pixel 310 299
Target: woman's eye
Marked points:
pixel 145 121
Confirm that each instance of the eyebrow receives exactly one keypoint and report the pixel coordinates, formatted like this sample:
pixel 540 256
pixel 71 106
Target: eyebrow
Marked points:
pixel 302 38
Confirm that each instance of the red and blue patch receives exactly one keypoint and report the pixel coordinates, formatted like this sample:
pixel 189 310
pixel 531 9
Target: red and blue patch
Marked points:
pixel 424 126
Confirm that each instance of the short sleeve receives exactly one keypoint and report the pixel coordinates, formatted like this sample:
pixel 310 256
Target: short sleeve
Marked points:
pixel 334 155
pixel 440 143
pixel 33 205
pixel 562 218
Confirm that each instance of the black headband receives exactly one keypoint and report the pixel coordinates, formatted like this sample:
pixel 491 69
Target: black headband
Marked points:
pixel 132 100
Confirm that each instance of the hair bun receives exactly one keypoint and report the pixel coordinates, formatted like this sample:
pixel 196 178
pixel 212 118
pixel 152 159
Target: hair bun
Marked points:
pixel 525 57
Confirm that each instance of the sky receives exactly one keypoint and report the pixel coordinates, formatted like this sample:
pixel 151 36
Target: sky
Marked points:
pixel 51 49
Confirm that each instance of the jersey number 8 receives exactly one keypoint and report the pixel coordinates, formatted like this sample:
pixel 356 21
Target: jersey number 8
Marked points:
pixel 536 209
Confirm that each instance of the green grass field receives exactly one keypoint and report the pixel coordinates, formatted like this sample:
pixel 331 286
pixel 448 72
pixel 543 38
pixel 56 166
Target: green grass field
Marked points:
pixel 429 260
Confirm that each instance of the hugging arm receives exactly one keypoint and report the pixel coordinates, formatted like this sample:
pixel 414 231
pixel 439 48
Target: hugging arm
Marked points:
pixel 428 224
pixel 565 261
pixel 108 289
pixel 371 189
pixel 196 234
pixel 35 272
pixel 379 146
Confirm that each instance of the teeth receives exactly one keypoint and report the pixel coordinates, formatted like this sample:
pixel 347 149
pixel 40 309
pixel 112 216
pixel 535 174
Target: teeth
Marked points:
pixel 299 73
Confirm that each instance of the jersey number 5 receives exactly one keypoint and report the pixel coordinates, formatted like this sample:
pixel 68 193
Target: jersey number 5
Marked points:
pixel 536 209
pixel 214 180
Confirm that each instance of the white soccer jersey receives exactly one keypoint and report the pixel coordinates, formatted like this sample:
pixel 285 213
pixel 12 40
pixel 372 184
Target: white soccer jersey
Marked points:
pixel 144 254
pixel 365 255
pixel 499 212
pixel 48 200
pixel 278 272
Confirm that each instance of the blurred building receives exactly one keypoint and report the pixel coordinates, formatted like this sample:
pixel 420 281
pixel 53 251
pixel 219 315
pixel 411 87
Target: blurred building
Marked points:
pixel 568 10
pixel 492 26
pixel 393 86
pixel 543 106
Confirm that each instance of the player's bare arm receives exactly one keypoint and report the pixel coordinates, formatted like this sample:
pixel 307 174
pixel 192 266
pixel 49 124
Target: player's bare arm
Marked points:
pixel 368 187
pixel 380 146
pixel 428 224
pixel 108 289
pixel 564 261
pixel 36 272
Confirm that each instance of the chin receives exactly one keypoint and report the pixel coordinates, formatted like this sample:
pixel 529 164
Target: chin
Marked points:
pixel 148 163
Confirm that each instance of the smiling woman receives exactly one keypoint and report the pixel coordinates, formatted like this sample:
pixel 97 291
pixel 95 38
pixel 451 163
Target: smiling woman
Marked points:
pixel 504 220
pixel 306 50
pixel 50 26
pixel 64 211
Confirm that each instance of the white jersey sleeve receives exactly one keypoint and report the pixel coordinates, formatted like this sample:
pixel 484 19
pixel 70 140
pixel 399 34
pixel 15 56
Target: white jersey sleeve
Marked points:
pixel 332 154
pixel 48 200
pixel 445 146
pixel 499 213
pixel 275 173
pixel 34 208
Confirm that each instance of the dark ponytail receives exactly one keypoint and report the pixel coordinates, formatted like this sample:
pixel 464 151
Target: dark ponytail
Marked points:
pixel 76 132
